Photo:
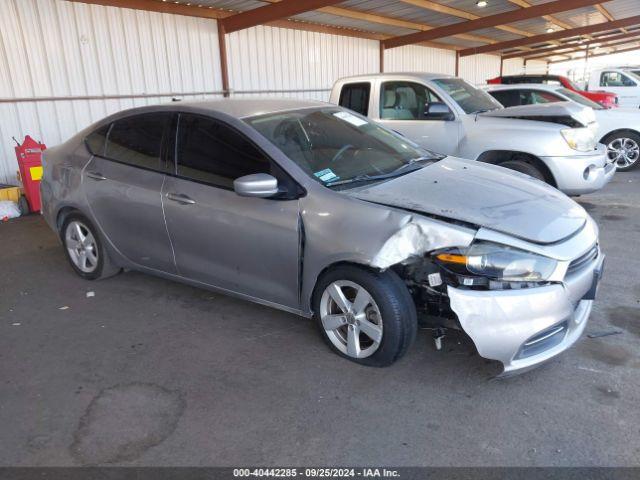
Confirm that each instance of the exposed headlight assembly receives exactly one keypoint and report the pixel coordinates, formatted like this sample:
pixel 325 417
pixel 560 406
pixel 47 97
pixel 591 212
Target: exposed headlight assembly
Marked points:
pixel 498 262
pixel 580 139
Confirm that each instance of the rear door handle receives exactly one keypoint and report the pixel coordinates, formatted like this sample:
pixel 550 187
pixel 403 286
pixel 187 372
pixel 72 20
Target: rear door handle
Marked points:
pixel 96 176
pixel 180 198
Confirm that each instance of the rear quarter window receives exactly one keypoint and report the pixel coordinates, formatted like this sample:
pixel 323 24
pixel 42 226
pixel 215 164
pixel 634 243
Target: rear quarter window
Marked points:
pixel 96 140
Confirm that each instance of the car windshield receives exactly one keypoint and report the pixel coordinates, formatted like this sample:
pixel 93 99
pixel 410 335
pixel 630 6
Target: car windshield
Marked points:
pixel 470 99
pixel 576 97
pixel 573 85
pixel 335 146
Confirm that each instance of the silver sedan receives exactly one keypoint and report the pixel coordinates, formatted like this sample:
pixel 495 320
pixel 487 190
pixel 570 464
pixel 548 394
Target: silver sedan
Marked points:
pixel 315 210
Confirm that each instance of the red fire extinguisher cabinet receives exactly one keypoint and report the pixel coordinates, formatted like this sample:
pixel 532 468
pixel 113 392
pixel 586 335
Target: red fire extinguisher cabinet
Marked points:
pixel 29 156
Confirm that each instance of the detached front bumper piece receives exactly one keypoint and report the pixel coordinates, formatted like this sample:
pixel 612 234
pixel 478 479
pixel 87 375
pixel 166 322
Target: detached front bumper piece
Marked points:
pixel 581 174
pixel 524 328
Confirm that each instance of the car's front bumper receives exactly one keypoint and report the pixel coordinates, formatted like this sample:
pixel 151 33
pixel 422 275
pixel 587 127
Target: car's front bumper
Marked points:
pixel 524 328
pixel 580 174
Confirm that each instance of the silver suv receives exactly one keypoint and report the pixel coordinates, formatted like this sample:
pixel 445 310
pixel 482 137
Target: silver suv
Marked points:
pixel 554 143
pixel 307 207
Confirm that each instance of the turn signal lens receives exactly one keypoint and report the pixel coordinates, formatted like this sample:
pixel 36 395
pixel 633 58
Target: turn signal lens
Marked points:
pixel 452 258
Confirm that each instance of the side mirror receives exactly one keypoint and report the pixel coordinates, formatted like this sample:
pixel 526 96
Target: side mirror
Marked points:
pixel 437 111
pixel 256 185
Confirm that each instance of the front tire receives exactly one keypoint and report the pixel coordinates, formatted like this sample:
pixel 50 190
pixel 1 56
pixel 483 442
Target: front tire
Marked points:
pixel 624 150
pixel 365 316
pixel 84 249
pixel 523 166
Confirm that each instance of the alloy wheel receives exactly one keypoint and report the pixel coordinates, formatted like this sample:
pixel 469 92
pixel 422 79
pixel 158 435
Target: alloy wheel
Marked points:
pixel 623 151
pixel 82 246
pixel 351 319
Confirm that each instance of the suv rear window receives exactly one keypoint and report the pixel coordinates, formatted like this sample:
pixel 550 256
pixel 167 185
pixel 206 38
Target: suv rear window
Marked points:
pixel 355 96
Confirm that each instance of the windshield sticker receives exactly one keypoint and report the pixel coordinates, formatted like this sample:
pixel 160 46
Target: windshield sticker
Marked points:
pixel 352 119
pixel 326 175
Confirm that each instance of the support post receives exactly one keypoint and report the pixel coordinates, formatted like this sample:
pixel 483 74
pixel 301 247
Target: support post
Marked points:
pixel 224 71
pixel 381 57
pixel 501 64
pixel 457 62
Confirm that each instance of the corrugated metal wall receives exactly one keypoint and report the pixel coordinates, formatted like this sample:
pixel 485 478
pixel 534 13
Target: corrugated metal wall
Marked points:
pixel 103 59
pixel 295 63
pixel 513 66
pixel 415 58
pixel 536 66
pixel 476 69
pixel 54 48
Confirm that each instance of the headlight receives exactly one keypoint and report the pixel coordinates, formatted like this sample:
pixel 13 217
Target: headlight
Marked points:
pixel 581 139
pixel 498 262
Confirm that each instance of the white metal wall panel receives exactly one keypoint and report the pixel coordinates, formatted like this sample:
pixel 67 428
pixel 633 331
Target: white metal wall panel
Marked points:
pixel 294 63
pixel 536 66
pixel 513 66
pixel 415 58
pixel 477 69
pixel 55 48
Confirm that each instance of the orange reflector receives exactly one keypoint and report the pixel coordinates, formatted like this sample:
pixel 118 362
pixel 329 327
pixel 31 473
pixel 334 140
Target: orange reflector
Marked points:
pixel 452 258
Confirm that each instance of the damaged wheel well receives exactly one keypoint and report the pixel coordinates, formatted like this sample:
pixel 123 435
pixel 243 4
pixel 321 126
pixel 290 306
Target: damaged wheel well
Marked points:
pixel 63 213
pixel 331 267
pixel 497 157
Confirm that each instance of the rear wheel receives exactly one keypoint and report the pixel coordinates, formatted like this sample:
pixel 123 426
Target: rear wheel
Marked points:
pixel 368 317
pixel 624 150
pixel 84 249
pixel 523 166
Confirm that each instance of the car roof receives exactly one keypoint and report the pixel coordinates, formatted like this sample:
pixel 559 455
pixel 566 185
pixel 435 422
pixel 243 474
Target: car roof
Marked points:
pixel 234 107
pixel 425 76
pixel 516 86
pixel 534 75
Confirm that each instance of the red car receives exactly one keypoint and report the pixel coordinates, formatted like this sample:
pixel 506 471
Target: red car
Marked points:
pixel 606 99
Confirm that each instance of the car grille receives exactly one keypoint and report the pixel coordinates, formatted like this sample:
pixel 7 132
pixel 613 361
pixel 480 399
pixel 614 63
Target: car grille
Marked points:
pixel 583 260
pixel 544 340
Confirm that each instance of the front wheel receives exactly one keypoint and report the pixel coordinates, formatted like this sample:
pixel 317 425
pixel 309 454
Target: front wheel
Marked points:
pixel 523 166
pixel 624 150
pixel 368 317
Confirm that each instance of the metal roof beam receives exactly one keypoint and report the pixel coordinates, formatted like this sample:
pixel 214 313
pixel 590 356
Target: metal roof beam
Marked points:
pixel 574 32
pixel 490 21
pixel 588 46
pixel 570 44
pixel 622 50
pixel 270 13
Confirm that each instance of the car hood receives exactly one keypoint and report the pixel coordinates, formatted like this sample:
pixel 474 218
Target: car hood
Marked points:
pixel 483 195
pixel 554 112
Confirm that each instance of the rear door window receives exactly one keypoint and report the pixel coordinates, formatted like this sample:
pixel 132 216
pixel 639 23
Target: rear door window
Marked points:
pixel 137 140
pixel 355 96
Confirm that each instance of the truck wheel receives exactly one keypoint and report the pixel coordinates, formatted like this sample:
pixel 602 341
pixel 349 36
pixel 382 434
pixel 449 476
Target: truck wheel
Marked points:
pixel 525 167
pixel 84 249
pixel 623 149
pixel 23 205
pixel 365 316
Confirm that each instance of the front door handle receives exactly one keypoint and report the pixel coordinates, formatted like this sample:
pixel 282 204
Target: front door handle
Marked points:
pixel 180 198
pixel 96 176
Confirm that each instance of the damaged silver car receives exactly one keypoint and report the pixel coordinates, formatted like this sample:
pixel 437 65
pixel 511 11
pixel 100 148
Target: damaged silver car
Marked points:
pixel 315 210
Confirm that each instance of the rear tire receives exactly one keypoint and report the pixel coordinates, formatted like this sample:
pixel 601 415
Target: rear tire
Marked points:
pixel 373 322
pixel 525 167
pixel 85 250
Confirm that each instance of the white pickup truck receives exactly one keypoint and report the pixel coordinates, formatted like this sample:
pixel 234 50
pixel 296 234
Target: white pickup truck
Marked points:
pixel 623 81
pixel 554 143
